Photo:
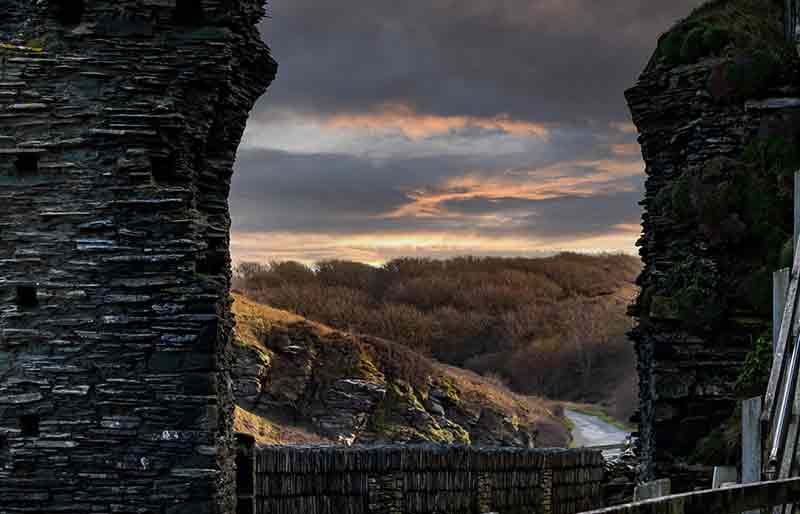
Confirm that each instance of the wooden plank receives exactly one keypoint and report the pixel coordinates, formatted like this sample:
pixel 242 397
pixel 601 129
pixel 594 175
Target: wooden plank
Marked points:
pixel 724 476
pixel 787 462
pixel 651 490
pixel 797 173
pixel 780 287
pixel 780 346
pixel 738 498
pixel 751 440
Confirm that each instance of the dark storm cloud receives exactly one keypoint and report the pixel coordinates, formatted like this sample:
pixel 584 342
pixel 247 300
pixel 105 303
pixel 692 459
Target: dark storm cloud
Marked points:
pixel 565 216
pixel 342 194
pixel 498 125
pixel 538 60
pixel 280 191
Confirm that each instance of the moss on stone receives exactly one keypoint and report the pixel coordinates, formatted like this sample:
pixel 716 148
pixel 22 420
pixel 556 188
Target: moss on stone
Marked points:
pixel 366 369
pixel 726 28
pixel 693 47
pixel 774 155
pixel 450 389
pixel 404 392
pixel 754 374
pixel 452 434
pixel 787 254
pixel 694 285
pixel 715 39
pixel 748 75
pixel 670 47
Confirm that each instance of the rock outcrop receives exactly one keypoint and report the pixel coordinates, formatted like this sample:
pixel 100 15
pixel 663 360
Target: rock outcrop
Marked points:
pixel 717 111
pixel 120 123
pixel 297 381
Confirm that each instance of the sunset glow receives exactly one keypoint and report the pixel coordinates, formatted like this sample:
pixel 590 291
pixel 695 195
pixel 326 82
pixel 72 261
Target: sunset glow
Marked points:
pixel 491 129
pixel 420 126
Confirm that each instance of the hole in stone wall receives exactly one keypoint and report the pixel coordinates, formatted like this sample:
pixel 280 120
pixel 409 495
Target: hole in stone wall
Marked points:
pixel 3 442
pixel 27 297
pixel 215 259
pixel 214 262
pixel 165 168
pixel 69 12
pixel 189 12
pixel 29 425
pixel 27 164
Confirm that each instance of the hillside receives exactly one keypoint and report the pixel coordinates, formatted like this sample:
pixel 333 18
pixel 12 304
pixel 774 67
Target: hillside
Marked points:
pixel 552 327
pixel 297 381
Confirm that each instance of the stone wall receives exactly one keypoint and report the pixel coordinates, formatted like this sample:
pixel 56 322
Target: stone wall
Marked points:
pixel 119 124
pixel 718 116
pixel 426 480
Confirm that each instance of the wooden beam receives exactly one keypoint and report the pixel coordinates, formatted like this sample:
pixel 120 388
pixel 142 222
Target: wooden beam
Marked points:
pixel 728 500
pixel 780 346
pixel 780 287
pixel 796 185
pixel 751 440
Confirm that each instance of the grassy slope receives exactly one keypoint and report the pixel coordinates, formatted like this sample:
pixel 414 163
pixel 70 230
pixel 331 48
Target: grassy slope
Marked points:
pixel 393 361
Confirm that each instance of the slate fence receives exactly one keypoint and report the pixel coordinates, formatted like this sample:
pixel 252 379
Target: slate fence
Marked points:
pixel 403 479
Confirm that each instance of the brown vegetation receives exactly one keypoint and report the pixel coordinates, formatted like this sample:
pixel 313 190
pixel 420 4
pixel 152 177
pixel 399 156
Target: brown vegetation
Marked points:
pixel 553 327
pixel 297 382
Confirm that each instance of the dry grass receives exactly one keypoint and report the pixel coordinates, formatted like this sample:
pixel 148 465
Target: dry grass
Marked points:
pixel 393 362
pixel 545 415
pixel 268 431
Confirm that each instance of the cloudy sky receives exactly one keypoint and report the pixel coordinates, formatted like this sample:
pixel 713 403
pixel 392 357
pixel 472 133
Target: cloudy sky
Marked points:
pixel 446 127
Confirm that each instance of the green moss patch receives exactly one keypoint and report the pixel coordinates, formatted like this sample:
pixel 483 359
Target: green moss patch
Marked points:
pixel 726 28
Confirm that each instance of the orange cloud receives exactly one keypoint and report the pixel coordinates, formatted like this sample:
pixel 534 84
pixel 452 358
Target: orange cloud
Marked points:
pixel 418 126
pixel 625 127
pixel 626 149
pixel 540 184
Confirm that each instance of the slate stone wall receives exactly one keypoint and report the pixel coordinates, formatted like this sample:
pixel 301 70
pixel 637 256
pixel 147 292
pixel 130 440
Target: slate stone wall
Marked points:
pixel 426 480
pixel 119 123
pixel 718 135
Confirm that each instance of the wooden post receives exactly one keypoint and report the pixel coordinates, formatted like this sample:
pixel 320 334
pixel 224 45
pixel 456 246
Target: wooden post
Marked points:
pixel 751 440
pixel 796 204
pixel 780 286
pixel 781 344
pixel 724 476
pixel 652 490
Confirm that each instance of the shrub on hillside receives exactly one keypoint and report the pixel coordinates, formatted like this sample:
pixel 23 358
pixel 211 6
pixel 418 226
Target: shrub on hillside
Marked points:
pixel 552 326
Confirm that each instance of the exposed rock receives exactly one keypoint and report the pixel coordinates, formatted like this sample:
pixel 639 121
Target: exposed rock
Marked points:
pixel 621 472
pixel 357 389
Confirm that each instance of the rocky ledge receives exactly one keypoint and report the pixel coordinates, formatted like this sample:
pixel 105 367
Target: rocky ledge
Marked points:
pixel 298 381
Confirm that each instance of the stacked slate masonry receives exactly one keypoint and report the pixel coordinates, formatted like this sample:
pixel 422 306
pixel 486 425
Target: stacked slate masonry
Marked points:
pixel 424 480
pixel 119 124
pixel 718 112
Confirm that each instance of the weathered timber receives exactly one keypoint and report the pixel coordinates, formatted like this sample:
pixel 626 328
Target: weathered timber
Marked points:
pixel 729 500
pixel 751 440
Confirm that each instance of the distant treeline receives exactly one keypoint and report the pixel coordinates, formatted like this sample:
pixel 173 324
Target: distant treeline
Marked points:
pixel 552 326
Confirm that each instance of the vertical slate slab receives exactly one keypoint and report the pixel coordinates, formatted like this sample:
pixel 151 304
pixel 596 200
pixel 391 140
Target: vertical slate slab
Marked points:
pixel 119 124
pixel 402 479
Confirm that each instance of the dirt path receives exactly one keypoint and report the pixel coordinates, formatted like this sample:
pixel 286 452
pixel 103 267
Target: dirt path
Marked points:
pixel 593 431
